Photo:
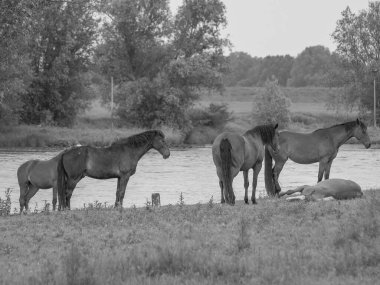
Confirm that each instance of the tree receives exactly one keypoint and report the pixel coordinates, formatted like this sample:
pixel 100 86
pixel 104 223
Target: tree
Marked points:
pixel 15 16
pixel 357 37
pixel 271 106
pixel 159 70
pixel 238 65
pixel 63 33
pixel 311 67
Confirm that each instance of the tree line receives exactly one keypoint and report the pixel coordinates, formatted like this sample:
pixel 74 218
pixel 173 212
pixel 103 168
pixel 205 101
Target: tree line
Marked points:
pixel 55 56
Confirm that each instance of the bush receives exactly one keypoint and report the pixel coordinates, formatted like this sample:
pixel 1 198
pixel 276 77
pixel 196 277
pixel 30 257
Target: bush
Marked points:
pixel 151 104
pixel 271 106
pixel 5 204
pixel 216 115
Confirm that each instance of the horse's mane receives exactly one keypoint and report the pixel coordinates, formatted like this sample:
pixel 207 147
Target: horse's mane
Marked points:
pixel 139 139
pixel 348 126
pixel 265 131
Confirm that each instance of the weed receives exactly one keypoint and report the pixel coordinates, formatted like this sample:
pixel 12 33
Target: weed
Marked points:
pixel 5 204
pixel 181 201
pixel 148 205
pixel 210 203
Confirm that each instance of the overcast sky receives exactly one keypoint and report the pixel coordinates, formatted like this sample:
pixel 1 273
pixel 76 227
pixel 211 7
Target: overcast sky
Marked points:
pixel 279 27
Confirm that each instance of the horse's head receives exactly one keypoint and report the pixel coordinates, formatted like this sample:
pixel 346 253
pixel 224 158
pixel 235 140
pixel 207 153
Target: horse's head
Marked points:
pixel 360 132
pixel 275 140
pixel 159 144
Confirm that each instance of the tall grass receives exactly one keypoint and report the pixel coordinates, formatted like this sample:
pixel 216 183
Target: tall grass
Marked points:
pixel 274 242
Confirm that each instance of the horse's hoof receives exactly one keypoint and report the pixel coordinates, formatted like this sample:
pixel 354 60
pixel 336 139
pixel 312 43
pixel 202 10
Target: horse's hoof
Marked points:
pixel 246 201
pixel 254 202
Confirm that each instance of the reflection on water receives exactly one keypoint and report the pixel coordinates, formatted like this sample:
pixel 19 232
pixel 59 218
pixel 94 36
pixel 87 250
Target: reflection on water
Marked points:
pixel 190 171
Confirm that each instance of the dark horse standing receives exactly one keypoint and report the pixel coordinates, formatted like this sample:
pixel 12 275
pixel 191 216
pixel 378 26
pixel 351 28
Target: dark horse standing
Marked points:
pixel 319 146
pixel 119 160
pixel 233 153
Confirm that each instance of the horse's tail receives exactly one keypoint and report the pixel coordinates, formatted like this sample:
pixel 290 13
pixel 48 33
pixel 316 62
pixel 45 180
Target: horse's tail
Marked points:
pixel 226 158
pixel 61 182
pixel 268 172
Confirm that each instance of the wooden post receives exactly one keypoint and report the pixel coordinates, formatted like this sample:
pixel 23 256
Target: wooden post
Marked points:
pixel 156 201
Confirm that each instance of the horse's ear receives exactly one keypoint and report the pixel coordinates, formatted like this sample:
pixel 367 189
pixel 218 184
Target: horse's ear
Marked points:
pixel 276 126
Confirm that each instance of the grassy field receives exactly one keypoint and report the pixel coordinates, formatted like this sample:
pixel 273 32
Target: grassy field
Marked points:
pixel 309 111
pixel 274 242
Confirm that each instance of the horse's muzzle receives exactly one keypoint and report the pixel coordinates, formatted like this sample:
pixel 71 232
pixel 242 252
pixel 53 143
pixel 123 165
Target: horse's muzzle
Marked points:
pixel 368 145
pixel 166 155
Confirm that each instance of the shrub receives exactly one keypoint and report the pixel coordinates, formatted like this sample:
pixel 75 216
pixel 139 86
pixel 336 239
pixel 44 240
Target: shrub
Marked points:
pixel 5 204
pixel 215 115
pixel 150 104
pixel 271 106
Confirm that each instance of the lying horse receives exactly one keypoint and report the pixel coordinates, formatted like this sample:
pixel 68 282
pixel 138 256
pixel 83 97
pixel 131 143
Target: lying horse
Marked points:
pixel 38 174
pixel 119 160
pixel 233 153
pixel 339 189
pixel 319 146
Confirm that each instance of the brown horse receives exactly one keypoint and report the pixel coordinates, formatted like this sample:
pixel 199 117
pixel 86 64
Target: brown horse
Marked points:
pixel 320 146
pixel 119 160
pixel 233 153
pixel 37 174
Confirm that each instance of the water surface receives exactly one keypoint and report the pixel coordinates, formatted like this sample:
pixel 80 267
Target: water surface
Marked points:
pixel 190 171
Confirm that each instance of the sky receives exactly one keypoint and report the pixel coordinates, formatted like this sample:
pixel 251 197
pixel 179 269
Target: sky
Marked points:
pixel 280 27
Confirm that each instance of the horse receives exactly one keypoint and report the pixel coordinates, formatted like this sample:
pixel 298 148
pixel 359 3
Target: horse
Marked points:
pixel 37 174
pixel 321 146
pixel 233 153
pixel 119 160
pixel 331 189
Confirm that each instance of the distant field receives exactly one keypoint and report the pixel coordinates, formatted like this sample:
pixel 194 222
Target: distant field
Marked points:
pixel 240 100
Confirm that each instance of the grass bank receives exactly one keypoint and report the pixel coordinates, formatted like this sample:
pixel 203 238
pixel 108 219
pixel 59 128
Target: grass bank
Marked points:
pixel 274 242
pixel 308 112
pixel 36 136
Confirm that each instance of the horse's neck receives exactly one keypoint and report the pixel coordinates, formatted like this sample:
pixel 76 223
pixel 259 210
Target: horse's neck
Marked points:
pixel 140 151
pixel 254 137
pixel 340 135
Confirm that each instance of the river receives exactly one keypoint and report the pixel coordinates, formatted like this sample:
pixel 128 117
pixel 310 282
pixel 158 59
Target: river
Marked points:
pixel 190 171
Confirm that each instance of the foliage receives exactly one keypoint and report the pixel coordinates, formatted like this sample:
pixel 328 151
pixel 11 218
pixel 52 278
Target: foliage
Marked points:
pixel 215 115
pixel 159 70
pixel 60 49
pixel 271 106
pixel 247 71
pixel 357 37
pixel 5 204
pixel 14 62
pixel 147 103
pixel 311 67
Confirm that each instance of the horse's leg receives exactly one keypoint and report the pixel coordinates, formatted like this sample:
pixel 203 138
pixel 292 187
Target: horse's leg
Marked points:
pixel 31 192
pixel 246 185
pixel 327 170
pixel 23 192
pixel 256 171
pixel 279 165
pixel 121 186
pixel 221 192
pixel 55 195
pixel 322 168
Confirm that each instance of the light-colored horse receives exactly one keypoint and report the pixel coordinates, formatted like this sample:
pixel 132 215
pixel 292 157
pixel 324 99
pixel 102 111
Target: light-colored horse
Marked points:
pixel 233 153
pixel 319 146
pixel 339 189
